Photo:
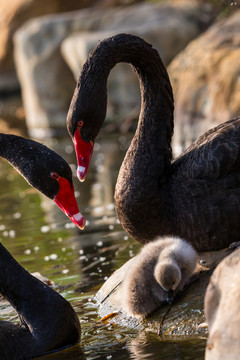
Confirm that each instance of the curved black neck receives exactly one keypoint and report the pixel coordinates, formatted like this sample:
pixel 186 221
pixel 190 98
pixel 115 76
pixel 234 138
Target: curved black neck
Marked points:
pixel 152 140
pixel 27 157
pixel 21 152
pixel 9 147
pixel 49 320
pixel 149 155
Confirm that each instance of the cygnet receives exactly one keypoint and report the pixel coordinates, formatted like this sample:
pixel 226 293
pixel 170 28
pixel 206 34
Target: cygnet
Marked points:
pixel 162 266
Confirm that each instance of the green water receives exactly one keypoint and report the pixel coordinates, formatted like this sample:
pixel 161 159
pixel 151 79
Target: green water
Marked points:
pixel 42 239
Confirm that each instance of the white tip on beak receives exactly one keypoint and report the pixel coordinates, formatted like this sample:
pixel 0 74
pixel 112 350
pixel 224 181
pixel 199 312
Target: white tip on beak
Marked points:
pixel 77 216
pixel 79 220
pixel 81 173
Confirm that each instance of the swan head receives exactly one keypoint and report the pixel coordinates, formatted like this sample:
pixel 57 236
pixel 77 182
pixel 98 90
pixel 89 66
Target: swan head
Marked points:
pixel 168 275
pixel 84 150
pixel 46 171
pixel 59 187
pixel 88 108
pixel 66 200
pixel 83 130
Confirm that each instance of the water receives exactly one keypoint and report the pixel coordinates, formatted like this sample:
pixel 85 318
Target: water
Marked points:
pixel 42 239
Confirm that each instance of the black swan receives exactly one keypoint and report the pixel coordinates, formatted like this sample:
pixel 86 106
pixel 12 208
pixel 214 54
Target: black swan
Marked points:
pixel 159 271
pixel 43 169
pixel 48 322
pixel 195 197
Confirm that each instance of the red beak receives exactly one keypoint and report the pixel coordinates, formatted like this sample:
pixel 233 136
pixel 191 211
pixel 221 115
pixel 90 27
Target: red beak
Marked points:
pixel 84 150
pixel 66 200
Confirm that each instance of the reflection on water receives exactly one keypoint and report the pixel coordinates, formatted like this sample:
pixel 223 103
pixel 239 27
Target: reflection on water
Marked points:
pixel 42 239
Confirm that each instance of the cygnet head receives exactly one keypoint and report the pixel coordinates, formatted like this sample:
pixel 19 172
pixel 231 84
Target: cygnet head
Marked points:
pixel 167 275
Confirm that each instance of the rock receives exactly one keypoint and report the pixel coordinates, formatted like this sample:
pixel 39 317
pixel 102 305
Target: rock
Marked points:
pixel 13 14
pixel 44 279
pixel 108 3
pixel 206 81
pixel 181 318
pixel 46 82
pixel 168 27
pixel 12 116
pixel 222 308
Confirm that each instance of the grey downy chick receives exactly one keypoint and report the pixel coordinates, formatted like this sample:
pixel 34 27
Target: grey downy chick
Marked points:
pixel 162 266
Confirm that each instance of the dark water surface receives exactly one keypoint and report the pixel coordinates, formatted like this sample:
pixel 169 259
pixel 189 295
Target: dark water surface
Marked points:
pixel 42 239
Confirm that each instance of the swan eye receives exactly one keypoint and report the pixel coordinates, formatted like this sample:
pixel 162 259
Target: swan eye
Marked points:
pixel 80 123
pixel 54 175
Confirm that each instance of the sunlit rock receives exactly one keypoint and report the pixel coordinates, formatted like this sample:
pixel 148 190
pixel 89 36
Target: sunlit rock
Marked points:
pixel 13 14
pixel 222 309
pixel 206 82
pixel 46 80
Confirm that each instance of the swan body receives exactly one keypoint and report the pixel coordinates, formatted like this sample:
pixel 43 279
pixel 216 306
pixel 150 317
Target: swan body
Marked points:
pixel 195 197
pixel 45 170
pixel 162 266
pixel 47 320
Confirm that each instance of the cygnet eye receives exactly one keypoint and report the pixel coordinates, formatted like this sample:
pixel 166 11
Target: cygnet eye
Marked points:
pixel 54 175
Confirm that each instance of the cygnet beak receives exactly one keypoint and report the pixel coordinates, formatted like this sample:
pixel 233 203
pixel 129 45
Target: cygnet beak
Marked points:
pixel 170 296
